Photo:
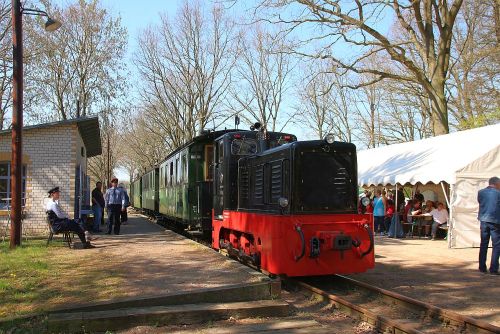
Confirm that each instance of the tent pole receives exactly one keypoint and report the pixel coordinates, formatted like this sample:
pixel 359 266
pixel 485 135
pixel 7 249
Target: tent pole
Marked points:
pixel 396 213
pixel 451 222
pixel 445 196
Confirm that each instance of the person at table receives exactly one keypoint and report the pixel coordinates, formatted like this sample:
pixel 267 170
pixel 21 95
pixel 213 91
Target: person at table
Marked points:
pixel 417 208
pixel 418 196
pixel 407 212
pixel 429 206
pixel 61 221
pixel 439 217
pixel 389 212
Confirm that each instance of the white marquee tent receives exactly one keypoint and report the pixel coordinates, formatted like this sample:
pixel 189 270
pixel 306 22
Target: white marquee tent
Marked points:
pixel 464 160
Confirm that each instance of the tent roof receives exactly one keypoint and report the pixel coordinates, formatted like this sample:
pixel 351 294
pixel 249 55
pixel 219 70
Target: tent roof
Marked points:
pixel 433 160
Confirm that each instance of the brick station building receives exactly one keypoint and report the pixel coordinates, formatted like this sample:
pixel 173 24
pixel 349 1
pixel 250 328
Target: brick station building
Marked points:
pixel 54 154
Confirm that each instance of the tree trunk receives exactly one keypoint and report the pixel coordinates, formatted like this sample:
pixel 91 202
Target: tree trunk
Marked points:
pixel 439 117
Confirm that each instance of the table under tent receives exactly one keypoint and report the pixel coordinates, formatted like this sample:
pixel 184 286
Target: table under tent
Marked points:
pixel 461 162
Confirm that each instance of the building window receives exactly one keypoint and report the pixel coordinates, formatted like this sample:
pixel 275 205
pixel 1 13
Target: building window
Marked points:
pixel 5 194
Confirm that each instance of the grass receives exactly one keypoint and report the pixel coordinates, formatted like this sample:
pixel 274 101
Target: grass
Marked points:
pixel 35 278
pixel 22 273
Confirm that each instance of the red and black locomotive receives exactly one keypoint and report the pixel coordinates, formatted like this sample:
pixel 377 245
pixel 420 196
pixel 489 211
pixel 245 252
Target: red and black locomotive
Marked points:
pixel 289 206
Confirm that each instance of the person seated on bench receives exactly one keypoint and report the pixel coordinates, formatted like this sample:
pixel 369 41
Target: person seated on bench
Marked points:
pixel 440 217
pixel 62 222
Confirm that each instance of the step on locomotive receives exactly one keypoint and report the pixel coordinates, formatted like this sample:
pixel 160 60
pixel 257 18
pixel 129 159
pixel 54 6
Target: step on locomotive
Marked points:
pixel 287 207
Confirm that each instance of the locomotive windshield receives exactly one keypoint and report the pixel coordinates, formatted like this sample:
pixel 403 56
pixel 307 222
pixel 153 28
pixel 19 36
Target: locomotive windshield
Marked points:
pixel 327 181
pixel 245 146
pixel 281 140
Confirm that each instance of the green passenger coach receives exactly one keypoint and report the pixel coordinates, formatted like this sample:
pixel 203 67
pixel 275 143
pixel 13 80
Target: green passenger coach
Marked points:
pixel 185 182
pixel 149 184
pixel 135 193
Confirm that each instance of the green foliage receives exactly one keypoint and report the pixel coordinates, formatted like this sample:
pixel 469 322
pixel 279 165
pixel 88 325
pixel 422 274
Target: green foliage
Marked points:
pixel 22 272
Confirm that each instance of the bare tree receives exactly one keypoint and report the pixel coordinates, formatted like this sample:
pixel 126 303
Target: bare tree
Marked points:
pixel 325 103
pixel 80 66
pixel 427 23
pixel 313 100
pixel 186 66
pixel 472 88
pixel 101 167
pixel 145 146
pixel 264 74
pixel 5 61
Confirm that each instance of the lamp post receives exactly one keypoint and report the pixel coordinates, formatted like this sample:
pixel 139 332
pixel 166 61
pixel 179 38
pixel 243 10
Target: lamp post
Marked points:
pixel 16 166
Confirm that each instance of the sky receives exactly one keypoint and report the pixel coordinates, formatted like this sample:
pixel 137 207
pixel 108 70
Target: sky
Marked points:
pixel 138 15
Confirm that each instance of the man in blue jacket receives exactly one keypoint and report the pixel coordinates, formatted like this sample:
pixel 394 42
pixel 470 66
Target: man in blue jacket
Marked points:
pixel 489 216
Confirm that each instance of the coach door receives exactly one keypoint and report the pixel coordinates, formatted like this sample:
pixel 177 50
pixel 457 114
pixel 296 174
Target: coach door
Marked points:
pixel 218 191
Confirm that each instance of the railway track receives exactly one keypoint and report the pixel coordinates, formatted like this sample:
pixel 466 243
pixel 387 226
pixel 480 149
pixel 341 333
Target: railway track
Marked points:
pixel 388 311
pixel 385 310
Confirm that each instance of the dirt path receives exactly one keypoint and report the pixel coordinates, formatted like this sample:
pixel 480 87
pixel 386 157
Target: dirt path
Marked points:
pixel 144 260
pixel 430 271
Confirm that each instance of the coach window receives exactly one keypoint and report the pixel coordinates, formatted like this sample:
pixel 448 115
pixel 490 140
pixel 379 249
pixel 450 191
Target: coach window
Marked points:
pixel 165 169
pixel 161 176
pixel 177 171
pixel 171 177
pixel 220 152
pixel 184 168
pixel 209 161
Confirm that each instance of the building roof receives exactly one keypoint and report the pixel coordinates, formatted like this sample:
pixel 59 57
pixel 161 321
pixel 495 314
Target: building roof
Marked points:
pixel 433 160
pixel 87 126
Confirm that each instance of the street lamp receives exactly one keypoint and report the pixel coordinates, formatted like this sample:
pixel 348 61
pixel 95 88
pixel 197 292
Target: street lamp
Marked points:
pixel 16 165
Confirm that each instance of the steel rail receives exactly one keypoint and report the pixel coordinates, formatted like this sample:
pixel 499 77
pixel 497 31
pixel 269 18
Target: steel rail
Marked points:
pixel 465 324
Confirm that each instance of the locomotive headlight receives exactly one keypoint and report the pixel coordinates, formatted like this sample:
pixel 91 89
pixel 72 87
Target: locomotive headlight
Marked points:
pixel 330 138
pixel 365 201
pixel 283 202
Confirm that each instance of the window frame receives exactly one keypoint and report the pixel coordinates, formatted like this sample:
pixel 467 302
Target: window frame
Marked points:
pixel 5 204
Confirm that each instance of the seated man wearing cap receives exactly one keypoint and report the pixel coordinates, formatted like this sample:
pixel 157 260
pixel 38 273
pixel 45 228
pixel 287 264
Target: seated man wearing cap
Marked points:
pixel 62 222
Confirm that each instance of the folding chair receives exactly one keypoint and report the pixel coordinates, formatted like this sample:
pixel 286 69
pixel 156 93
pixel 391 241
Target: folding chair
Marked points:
pixel 51 216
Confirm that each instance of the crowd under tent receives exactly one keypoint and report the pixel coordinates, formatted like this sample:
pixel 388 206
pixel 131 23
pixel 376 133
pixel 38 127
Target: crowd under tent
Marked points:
pixel 459 163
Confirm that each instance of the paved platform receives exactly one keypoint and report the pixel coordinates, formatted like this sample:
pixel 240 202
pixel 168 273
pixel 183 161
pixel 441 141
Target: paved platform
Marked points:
pixel 155 261
pixel 165 278
pixel 430 271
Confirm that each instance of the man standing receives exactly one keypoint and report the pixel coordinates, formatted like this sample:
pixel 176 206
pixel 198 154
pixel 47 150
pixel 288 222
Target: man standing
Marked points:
pixel 124 216
pixel 489 217
pixel 115 204
pixel 61 221
pixel 97 205
pixel 379 205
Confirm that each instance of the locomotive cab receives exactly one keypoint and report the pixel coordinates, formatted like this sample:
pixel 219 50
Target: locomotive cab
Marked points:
pixel 229 150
